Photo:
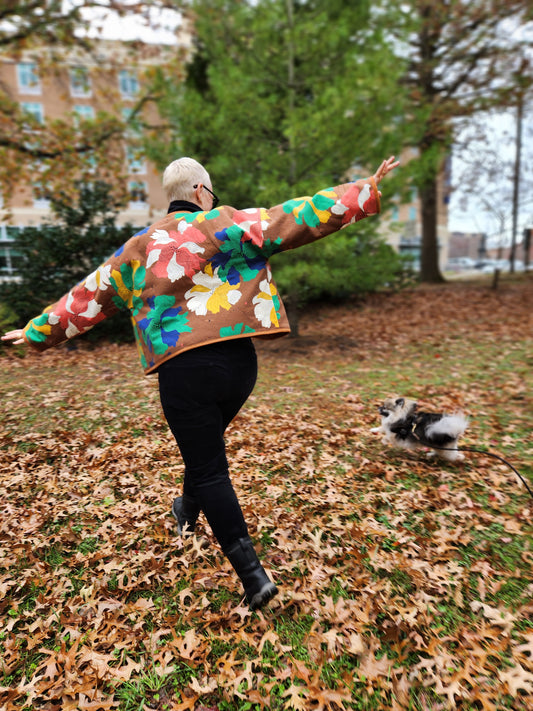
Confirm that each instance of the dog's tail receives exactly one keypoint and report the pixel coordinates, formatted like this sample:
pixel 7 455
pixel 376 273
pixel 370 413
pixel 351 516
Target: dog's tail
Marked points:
pixel 451 425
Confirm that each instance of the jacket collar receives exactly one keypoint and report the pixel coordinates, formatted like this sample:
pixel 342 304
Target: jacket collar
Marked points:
pixel 183 206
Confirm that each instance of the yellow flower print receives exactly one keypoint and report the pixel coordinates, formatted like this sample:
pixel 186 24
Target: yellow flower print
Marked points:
pixel 311 211
pixel 129 284
pixel 38 329
pixel 210 293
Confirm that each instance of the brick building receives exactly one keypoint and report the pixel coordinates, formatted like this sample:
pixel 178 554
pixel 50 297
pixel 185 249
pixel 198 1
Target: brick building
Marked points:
pixel 467 244
pixel 82 85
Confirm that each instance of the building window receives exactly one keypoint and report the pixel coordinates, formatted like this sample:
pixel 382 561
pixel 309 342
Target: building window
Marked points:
pixel 10 257
pixel 128 83
pixel 28 78
pixel 136 164
pixel 412 214
pixel 395 213
pixel 84 113
pixel 80 82
pixel 138 195
pixel 34 109
pixel 40 199
pixel 411 249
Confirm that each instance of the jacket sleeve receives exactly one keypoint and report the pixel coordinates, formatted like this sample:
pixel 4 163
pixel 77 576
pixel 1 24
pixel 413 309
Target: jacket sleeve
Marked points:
pixel 306 219
pixel 85 305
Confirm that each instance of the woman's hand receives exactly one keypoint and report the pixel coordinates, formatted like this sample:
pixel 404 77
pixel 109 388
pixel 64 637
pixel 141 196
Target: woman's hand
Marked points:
pixel 17 336
pixel 385 168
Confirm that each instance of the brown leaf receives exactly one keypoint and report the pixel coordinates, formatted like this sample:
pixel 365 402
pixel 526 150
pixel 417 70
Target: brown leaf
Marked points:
pixel 517 679
pixel 296 698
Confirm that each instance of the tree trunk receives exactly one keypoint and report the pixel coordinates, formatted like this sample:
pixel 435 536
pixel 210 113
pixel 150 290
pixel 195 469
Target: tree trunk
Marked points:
pixel 429 258
pixel 516 179
pixel 291 74
pixel 293 314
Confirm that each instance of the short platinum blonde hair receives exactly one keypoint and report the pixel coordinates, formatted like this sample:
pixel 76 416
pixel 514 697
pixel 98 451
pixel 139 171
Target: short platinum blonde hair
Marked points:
pixel 180 176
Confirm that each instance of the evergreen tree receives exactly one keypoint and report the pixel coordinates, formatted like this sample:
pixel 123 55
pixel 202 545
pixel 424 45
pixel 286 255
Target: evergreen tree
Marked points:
pixel 349 264
pixel 54 256
pixel 284 97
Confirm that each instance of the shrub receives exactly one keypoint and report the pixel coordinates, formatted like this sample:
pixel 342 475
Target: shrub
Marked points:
pixel 8 319
pixel 56 255
pixel 337 267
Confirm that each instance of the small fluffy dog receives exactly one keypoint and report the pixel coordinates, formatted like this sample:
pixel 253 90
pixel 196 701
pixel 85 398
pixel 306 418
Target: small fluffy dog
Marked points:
pixel 405 426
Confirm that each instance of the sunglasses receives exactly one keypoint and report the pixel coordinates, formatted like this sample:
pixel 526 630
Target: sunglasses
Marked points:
pixel 216 200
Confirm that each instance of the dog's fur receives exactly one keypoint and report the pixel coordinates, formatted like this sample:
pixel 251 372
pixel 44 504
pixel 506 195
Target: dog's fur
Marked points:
pixel 405 426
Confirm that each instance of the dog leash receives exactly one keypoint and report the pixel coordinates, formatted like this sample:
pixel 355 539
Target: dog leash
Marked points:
pixel 481 451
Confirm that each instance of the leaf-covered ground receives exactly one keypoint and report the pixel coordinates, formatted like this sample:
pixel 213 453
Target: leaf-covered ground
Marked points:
pixel 405 582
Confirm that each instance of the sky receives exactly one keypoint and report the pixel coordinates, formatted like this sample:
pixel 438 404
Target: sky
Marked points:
pixel 158 28
pixel 493 155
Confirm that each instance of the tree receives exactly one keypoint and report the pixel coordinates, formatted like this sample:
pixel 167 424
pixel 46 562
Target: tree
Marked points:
pixel 463 56
pixel 486 190
pixel 284 97
pixel 60 150
pixel 58 254
pixel 281 96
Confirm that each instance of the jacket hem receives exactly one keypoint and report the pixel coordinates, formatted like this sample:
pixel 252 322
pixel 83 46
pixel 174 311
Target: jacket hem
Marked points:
pixel 261 334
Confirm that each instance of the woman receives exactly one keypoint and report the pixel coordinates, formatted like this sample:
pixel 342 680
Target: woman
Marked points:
pixel 199 286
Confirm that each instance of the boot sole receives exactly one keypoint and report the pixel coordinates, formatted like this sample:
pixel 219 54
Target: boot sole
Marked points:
pixel 267 592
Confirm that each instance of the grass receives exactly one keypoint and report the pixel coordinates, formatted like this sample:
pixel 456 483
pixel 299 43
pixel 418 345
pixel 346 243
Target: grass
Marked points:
pixel 383 557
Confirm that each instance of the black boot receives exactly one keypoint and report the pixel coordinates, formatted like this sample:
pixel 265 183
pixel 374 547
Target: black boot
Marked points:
pixel 258 587
pixel 186 511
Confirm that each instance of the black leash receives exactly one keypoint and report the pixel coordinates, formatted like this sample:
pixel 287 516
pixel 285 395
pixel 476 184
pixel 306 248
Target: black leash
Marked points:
pixel 488 454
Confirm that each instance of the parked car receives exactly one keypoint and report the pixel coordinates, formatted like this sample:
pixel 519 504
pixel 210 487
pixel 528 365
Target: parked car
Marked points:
pixel 488 266
pixel 458 264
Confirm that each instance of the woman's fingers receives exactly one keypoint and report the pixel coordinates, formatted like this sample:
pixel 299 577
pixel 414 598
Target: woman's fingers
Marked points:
pixel 17 336
pixel 386 166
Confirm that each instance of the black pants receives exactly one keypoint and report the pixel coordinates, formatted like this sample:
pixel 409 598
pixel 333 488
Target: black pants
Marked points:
pixel 201 391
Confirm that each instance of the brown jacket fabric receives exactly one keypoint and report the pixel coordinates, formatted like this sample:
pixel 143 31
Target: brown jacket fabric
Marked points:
pixel 198 277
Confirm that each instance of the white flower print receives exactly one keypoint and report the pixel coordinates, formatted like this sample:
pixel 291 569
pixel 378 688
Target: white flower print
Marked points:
pixel 210 293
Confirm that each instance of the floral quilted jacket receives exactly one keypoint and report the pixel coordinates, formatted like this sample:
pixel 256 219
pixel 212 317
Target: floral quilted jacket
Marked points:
pixel 193 278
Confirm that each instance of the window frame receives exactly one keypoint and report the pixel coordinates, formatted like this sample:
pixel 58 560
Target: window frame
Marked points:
pixel 28 87
pixel 8 252
pixel 138 204
pixel 25 105
pixel 128 83
pixel 80 92
pixel 82 111
pixel 136 166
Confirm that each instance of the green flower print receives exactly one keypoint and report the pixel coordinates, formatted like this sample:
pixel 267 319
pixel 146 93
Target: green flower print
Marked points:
pixel 236 330
pixel 238 259
pixel 139 344
pixel 311 211
pixel 38 329
pixel 198 216
pixel 163 324
pixel 129 284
